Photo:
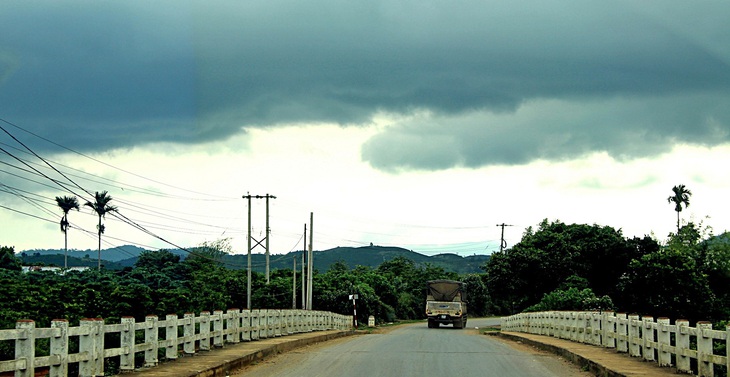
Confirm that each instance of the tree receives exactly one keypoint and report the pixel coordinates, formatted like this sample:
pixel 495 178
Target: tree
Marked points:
pixel 8 260
pixel 101 206
pixel 67 203
pixel 547 257
pixel 680 197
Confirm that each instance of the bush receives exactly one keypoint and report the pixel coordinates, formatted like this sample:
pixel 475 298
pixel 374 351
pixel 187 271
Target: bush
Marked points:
pixel 572 299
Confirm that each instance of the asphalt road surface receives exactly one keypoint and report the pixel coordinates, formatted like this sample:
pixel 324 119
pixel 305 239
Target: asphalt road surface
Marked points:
pixel 415 350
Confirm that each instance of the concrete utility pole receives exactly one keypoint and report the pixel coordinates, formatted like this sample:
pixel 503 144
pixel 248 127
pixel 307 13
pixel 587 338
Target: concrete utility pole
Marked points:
pixel 304 275
pixel 310 262
pixel 503 244
pixel 268 232
pixel 294 284
pixel 266 238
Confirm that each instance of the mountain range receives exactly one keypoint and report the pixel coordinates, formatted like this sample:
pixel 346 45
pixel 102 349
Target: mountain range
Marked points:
pixel 370 256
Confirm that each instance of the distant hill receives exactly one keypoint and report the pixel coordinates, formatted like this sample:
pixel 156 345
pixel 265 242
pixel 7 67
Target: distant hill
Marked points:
pixel 115 254
pixel 370 256
pixel 38 259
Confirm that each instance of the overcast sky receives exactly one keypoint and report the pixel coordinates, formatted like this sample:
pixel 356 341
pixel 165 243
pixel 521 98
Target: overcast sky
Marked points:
pixel 420 124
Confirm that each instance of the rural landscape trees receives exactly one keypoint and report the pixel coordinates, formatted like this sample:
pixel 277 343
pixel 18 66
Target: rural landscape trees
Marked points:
pixel 555 266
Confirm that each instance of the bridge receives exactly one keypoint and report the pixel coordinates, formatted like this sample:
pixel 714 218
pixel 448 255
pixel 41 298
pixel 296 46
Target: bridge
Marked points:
pixel 240 336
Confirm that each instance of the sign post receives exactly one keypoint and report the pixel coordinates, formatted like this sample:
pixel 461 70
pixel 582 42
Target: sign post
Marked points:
pixel 354 309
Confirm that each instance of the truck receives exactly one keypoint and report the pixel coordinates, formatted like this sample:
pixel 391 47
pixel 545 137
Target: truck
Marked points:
pixel 446 303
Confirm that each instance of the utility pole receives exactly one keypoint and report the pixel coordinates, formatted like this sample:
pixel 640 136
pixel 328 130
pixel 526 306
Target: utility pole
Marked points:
pixel 310 262
pixel 304 274
pixel 268 232
pixel 248 275
pixel 294 284
pixel 258 243
pixel 503 244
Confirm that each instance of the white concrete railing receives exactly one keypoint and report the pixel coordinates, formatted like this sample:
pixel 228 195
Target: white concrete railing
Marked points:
pixel 206 331
pixel 657 341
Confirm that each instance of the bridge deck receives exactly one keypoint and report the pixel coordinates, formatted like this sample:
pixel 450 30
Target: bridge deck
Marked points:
pixel 219 361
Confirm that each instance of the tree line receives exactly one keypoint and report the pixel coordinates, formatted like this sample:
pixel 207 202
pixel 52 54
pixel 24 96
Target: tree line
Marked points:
pixel 555 266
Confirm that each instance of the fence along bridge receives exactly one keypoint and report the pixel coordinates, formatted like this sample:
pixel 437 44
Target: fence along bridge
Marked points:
pixel 197 333
pixel 669 345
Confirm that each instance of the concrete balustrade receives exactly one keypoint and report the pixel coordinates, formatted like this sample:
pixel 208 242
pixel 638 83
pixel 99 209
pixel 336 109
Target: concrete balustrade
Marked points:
pixel 199 333
pixel 641 337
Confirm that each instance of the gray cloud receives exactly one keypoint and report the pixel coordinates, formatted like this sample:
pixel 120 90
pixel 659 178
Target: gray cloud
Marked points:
pixel 621 77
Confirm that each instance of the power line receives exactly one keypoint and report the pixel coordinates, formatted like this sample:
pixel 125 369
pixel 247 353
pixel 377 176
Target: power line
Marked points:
pixel 99 161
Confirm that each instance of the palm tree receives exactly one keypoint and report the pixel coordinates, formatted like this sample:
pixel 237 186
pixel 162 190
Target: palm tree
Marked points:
pixel 101 206
pixel 67 203
pixel 680 197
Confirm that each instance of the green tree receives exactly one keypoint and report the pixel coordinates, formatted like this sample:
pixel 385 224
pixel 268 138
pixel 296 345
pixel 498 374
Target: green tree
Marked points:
pixel 547 257
pixel 476 294
pixel 156 260
pixel 680 197
pixel 717 261
pixel 8 260
pixel 101 206
pixel 66 203
pixel 672 281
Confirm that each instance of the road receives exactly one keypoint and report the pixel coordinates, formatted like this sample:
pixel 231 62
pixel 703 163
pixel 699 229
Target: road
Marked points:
pixel 416 350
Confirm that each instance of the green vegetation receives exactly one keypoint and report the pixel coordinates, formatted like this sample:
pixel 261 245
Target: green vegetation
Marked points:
pixel 586 267
pixel 557 266
pixel 161 283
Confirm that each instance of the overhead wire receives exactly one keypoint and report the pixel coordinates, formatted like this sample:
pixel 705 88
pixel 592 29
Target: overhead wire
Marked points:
pixel 146 226
pixel 115 214
pixel 104 163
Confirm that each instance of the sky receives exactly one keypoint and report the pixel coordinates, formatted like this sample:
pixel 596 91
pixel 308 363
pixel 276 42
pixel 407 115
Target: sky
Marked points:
pixel 420 124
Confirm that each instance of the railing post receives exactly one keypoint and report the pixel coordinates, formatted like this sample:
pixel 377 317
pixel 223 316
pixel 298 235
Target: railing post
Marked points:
pixel 634 338
pixel 217 328
pixel 189 333
pixel 727 347
pixel 171 336
pixel 560 333
pixel 552 323
pixel 622 344
pixel 286 325
pixel 232 325
pixel 264 323
pixel 126 341
pixel 255 326
pixel 277 329
pixel 151 340
pixel 682 342
pixel 574 326
pixel 647 335
pixel 59 348
pixel 704 350
pixel 663 342
pixel 204 332
pixel 595 335
pixel 25 347
pixel 90 343
pixel 310 320
pixel 246 314
pixel 297 320
pixel 608 330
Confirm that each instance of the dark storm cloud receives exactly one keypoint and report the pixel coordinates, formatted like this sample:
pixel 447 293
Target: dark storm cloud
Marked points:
pixel 625 78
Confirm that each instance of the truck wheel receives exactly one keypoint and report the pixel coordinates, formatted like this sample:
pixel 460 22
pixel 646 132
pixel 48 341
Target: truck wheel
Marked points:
pixel 459 324
pixel 431 323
